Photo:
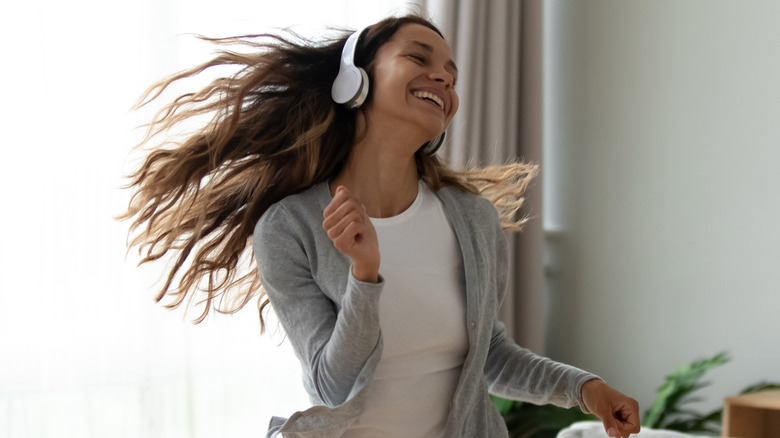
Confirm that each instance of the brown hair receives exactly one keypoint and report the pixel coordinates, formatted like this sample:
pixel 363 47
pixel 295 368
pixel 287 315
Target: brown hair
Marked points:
pixel 273 131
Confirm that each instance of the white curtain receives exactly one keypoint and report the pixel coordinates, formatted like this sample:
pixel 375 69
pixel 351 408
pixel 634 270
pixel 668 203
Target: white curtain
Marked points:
pixel 498 49
pixel 84 349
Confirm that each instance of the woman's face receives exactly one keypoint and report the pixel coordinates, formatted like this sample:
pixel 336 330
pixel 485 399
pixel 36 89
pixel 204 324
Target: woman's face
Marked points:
pixel 413 79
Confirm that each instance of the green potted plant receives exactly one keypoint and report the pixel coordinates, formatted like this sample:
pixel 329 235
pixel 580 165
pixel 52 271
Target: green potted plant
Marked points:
pixel 669 411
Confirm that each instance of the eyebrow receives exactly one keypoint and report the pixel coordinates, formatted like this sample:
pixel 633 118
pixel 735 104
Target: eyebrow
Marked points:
pixel 429 48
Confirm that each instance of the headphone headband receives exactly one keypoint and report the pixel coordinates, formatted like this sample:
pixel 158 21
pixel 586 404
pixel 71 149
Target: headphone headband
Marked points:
pixel 348 52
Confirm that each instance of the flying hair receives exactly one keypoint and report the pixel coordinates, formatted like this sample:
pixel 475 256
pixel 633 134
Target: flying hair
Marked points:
pixel 267 130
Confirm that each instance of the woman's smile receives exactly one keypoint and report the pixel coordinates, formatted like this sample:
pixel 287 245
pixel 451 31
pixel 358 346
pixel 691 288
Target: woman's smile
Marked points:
pixel 430 97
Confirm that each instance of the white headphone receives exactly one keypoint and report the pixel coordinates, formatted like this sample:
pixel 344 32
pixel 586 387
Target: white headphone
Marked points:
pixel 351 84
pixel 350 87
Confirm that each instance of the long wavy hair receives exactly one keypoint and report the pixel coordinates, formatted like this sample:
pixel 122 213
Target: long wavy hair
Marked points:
pixel 272 131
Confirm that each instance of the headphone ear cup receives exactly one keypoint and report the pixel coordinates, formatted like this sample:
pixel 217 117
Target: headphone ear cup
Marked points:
pixel 432 146
pixel 350 87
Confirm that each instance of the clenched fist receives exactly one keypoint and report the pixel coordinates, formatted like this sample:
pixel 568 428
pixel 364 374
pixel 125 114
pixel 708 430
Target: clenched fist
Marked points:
pixel 351 231
pixel 619 413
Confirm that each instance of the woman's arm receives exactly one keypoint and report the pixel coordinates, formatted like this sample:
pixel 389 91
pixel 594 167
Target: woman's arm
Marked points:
pixel 517 373
pixel 335 348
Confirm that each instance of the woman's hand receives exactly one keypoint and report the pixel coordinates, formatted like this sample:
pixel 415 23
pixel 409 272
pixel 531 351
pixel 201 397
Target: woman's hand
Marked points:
pixel 618 412
pixel 351 231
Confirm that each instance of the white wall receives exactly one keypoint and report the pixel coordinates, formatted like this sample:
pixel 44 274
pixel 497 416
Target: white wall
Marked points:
pixel 662 129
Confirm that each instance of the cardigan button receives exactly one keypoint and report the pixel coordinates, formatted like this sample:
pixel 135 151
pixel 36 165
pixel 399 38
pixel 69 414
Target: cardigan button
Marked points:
pixel 473 324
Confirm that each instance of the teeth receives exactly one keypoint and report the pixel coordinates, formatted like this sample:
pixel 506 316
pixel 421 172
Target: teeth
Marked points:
pixel 431 96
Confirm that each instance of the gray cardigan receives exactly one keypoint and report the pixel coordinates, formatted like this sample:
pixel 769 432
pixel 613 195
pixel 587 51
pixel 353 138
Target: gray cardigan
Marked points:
pixel 331 320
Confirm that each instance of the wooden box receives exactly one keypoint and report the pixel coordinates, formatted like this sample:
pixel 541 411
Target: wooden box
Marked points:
pixel 752 415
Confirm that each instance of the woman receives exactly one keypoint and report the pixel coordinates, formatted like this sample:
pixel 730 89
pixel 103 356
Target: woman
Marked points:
pixel 385 268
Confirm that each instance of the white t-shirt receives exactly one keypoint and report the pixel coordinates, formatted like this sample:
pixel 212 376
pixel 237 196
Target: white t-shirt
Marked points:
pixel 422 315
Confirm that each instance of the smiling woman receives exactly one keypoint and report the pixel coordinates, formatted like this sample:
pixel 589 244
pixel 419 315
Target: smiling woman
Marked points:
pixel 385 267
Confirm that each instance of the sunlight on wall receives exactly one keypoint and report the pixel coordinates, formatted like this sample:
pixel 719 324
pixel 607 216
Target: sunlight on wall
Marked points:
pixel 85 349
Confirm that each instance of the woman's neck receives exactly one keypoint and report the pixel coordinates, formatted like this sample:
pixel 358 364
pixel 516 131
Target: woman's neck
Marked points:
pixel 382 175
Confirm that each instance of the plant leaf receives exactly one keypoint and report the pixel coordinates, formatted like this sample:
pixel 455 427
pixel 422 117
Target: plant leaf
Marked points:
pixel 677 388
pixel 503 404
pixel 761 386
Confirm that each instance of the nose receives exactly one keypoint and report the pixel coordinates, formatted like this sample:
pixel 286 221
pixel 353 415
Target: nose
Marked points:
pixel 443 76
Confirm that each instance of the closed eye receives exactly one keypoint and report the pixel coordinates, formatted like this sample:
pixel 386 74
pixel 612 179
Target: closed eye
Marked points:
pixel 420 59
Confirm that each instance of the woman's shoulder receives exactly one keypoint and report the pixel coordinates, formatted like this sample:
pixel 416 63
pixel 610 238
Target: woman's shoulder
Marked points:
pixel 315 196
pixel 303 208
pixel 466 203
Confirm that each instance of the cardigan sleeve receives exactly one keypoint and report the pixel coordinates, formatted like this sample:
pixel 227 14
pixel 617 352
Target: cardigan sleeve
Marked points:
pixel 517 373
pixel 337 349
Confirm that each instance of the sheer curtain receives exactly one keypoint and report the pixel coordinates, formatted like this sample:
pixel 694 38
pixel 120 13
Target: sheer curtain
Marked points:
pixel 498 48
pixel 84 349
